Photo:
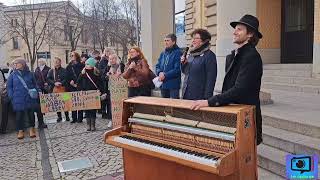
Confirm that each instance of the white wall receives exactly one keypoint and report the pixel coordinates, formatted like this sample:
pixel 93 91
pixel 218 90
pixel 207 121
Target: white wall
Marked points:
pixel 226 14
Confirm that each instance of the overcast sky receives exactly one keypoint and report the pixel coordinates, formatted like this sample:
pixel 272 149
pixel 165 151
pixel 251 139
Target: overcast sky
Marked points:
pixel 17 2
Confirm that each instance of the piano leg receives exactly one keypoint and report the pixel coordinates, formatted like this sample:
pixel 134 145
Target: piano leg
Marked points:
pixel 139 166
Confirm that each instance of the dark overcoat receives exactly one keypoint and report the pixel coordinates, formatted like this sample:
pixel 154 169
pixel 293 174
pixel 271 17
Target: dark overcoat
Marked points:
pixel 242 82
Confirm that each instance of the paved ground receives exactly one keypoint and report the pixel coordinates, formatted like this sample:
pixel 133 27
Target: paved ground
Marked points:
pixel 37 158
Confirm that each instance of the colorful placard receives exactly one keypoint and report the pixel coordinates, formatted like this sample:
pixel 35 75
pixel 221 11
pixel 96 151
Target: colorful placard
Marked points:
pixel 70 101
pixel 119 91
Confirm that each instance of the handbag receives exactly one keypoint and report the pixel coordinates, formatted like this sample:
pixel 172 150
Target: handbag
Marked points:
pixel 33 93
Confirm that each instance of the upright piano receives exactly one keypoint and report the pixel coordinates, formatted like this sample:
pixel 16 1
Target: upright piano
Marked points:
pixel 163 139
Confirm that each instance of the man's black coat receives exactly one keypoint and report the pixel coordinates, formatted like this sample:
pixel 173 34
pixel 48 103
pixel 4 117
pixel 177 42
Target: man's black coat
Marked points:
pixel 242 82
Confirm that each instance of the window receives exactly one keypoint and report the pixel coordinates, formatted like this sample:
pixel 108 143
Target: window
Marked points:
pixel 68 32
pixel 180 23
pixel 15 43
pixel 84 36
pixel 112 43
pixel 14 23
pixel 67 56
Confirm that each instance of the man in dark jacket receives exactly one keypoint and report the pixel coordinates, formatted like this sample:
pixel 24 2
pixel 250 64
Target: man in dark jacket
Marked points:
pixel 102 68
pixel 40 74
pixel 242 81
pixel 168 68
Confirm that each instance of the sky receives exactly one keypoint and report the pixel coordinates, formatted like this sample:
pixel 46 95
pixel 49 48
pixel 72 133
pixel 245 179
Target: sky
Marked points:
pixel 17 2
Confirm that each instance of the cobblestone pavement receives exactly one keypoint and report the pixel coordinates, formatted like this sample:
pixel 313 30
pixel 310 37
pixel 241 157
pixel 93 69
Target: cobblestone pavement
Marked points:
pixel 37 158
pixel 25 159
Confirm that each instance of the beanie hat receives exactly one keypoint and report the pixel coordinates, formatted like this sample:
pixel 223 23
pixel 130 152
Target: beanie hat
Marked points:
pixel 20 61
pixel 91 62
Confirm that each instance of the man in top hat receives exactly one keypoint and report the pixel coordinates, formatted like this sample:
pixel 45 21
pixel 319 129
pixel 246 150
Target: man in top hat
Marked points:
pixel 242 81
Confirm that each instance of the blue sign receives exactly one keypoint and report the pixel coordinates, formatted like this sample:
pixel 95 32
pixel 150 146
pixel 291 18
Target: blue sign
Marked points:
pixel 302 166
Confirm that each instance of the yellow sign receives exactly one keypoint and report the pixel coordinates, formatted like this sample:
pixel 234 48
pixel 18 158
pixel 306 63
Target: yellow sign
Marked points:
pixel 70 101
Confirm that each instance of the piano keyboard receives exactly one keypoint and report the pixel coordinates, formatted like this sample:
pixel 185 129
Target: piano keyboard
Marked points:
pixel 185 154
pixel 181 128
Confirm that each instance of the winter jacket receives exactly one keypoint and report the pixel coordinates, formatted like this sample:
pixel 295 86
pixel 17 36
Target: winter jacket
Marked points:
pixel 18 94
pixel 169 64
pixel 200 74
pixel 60 76
pixel 72 73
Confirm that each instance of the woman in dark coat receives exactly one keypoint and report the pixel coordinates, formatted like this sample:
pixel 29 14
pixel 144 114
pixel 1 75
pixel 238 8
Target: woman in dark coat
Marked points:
pixel 89 79
pixel 57 81
pixel 23 104
pixel 73 71
pixel 200 68
pixel 137 73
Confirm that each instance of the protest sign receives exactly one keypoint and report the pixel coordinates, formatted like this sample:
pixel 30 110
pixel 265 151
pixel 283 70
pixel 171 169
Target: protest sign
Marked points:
pixel 118 91
pixel 70 101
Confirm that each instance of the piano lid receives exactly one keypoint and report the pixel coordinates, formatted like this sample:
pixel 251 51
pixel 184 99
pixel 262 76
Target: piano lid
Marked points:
pixel 182 103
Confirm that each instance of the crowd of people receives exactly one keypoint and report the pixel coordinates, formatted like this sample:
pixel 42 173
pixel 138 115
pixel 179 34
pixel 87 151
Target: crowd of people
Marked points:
pixel 197 65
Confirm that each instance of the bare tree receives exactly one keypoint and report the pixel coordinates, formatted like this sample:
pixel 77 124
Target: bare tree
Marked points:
pixel 29 21
pixel 71 25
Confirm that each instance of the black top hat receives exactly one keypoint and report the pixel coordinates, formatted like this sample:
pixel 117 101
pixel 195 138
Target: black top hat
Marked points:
pixel 249 21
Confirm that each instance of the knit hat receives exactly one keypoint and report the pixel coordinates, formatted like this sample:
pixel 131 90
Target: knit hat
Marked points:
pixel 20 60
pixel 91 62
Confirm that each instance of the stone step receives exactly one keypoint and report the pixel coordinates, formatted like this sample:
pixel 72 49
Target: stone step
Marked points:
pixel 307 128
pixel 289 141
pixel 292 87
pixel 301 67
pixel 291 80
pixel 272 159
pixel 287 73
pixel 264 174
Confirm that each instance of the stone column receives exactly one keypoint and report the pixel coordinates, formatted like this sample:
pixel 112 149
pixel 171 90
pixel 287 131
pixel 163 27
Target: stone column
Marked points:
pixel 157 17
pixel 3 29
pixel 316 43
pixel 226 14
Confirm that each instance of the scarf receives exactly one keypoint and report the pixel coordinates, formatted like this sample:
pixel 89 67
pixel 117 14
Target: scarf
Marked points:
pixel 114 68
pixel 200 50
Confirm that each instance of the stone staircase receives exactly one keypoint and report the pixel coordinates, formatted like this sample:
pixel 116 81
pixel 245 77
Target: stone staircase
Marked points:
pixel 290 77
pixel 292 124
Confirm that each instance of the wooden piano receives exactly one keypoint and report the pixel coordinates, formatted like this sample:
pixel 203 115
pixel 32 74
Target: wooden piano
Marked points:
pixel 164 139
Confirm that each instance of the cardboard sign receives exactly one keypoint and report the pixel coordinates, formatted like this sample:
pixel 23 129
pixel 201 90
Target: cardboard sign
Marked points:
pixel 70 101
pixel 118 91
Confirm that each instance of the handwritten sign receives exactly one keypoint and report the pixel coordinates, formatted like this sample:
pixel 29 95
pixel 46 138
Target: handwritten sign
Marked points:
pixel 118 91
pixel 70 101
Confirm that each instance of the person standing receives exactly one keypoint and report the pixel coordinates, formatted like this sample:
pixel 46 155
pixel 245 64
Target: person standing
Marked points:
pixel 114 68
pixel 73 71
pixel 137 73
pixel 168 68
pixel 200 68
pixel 102 68
pixel 89 79
pixel 244 71
pixel 57 81
pixel 23 94
pixel 41 73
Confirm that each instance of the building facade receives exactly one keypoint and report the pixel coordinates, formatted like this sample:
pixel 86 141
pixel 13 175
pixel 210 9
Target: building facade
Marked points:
pixel 66 29
pixel 291 28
